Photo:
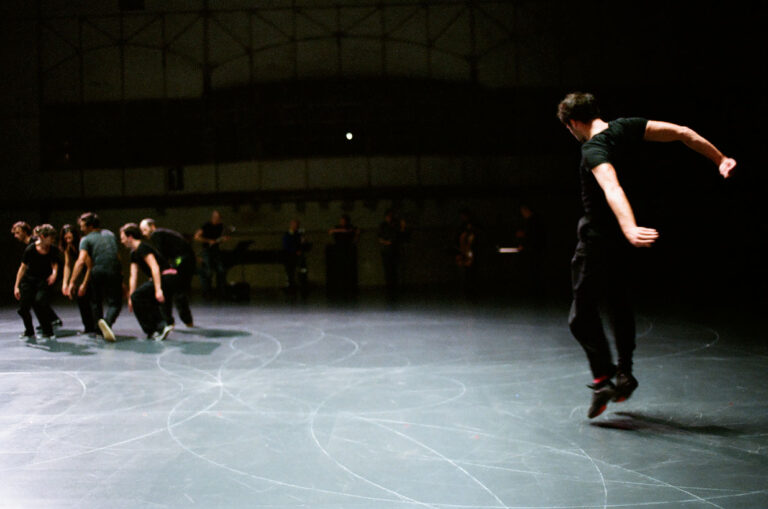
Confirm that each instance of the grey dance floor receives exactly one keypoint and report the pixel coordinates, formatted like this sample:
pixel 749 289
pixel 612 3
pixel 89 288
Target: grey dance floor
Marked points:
pixel 427 404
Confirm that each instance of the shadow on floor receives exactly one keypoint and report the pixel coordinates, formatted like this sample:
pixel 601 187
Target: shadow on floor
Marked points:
pixel 635 421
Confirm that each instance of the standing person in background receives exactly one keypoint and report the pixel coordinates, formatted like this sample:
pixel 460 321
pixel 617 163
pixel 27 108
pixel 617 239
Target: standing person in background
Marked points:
pixel 23 233
pixel 600 270
pixel 34 280
pixel 211 235
pixel 147 301
pixel 294 257
pixel 392 233
pixel 180 256
pixel 69 241
pixel 106 280
pixel 531 239
pixel 341 258
pixel 465 245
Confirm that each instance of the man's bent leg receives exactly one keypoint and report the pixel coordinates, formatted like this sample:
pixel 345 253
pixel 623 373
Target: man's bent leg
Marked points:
pixel 146 308
pixel 113 297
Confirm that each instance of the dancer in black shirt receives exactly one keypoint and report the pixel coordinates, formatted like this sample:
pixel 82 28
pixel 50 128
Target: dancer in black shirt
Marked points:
pixel 34 279
pixel 22 232
pixel 147 300
pixel 607 232
pixel 69 242
pixel 180 256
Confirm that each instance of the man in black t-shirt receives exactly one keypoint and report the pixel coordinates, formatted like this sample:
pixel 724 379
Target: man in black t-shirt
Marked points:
pixel 181 257
pixel 34 279
pixel 393 232
pixel 147 301
pixel 607 231
pixel 211 234
pixel 294 258
pixel 23 233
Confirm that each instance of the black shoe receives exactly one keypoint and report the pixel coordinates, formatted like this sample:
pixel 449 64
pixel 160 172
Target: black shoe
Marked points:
pixel 602 393
pixel 625 386
pixel 57 322
pixel 27 335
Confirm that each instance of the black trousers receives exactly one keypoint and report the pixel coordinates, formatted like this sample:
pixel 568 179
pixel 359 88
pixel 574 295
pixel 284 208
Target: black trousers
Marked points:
pixel 152 315
pixel 390 259
pixel 86 313
pixel 185 271
pixel 341 269
pixel 36 295
pixel 212 263
pixel 600 278
pixel 106 287
pixel 293 264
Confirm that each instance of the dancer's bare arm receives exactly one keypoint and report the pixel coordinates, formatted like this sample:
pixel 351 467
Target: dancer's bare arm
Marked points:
pixel 667 131
pixel 638 236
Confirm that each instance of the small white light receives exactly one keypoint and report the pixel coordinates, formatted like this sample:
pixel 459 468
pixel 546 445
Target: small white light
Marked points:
pixel 349 136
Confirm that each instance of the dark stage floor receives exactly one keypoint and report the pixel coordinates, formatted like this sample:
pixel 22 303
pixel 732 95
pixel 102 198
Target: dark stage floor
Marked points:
pixel 427 404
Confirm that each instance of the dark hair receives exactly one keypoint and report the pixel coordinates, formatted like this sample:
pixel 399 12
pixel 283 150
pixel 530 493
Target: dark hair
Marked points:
pixel 45 230
pixel 578 106
pixel 23 226
pixel 131 230
pixel 68 228
pixel 90 219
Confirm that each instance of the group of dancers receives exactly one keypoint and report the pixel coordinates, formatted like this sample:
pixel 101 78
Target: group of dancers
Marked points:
pixel 91 274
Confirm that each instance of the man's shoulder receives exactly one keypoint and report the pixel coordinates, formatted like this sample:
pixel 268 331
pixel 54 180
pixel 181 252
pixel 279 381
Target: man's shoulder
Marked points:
pixel 97 234
pixel 88 239
pixel 166 232
pixel 631 126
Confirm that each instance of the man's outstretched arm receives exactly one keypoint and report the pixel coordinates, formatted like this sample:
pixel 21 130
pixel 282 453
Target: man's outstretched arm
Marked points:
pixel 667 131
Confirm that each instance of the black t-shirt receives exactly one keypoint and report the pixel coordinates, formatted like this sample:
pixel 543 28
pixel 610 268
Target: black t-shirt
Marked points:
pixel 212 232
pixel 39 266
pixel 616 145
pixel 344 235
pixel 137 257
pixel 171 245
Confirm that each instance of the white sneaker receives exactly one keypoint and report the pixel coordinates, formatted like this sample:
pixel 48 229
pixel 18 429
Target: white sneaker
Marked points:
pixel 106 331
pixel 164 333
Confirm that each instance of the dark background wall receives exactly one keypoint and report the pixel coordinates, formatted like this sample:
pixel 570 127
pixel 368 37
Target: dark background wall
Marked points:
pixel 451 104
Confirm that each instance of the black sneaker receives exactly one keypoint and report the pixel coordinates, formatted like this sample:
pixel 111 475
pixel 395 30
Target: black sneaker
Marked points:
pixel 602 393
pixel 27 335
pixel 625 386
pixel 57 322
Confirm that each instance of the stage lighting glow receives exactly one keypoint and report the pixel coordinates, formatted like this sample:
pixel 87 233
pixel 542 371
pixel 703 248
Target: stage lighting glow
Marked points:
pixel 350 136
